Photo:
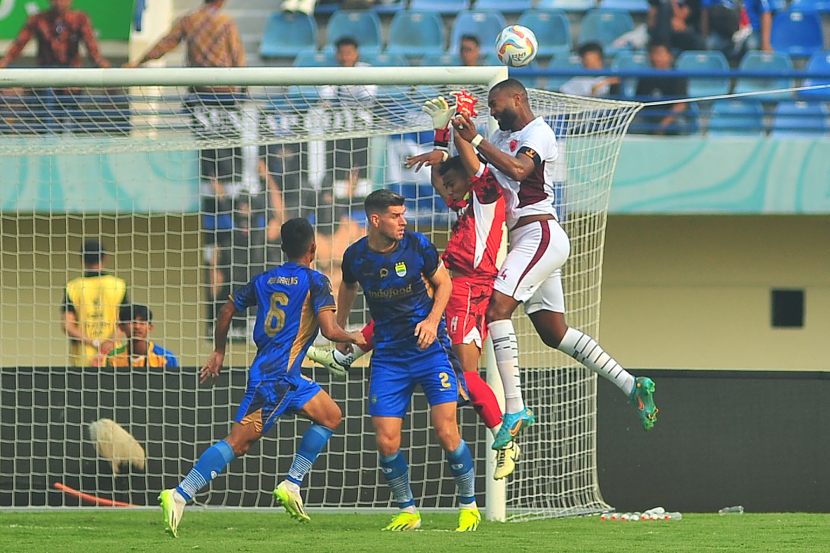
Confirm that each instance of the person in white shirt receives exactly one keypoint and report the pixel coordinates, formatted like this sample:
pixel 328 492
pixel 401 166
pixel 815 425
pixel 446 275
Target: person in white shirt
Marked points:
pixel 591 55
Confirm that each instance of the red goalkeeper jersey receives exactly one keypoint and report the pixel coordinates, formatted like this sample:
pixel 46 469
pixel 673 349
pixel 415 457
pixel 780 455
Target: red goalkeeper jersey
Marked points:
pixel 476 237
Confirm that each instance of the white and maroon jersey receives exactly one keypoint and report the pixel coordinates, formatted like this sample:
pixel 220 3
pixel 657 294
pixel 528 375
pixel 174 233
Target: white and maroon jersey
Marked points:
pixel 476 237
pixel 534 195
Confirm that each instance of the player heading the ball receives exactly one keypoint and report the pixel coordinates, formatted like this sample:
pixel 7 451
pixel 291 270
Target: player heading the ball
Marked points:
pixel 521 155
pixel 293 302
pixel 407 289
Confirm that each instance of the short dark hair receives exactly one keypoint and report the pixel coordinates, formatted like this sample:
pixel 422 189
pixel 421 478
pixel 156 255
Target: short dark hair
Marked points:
pixel 381 200
pixel 133 312
pixel 589 47
pixel 93 252
pixel 657 43
pixel 346 41
pixel 452 164
pixel 297 236
pixel 510 86
pixel 471 38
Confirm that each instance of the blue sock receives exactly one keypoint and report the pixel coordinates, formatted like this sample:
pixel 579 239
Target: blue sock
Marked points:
pixel 461 465
pixel 208 467
pixel 396 472
pixel 313 442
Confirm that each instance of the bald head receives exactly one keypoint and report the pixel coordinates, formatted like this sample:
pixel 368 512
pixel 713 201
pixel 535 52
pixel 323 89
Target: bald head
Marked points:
pixel 509 105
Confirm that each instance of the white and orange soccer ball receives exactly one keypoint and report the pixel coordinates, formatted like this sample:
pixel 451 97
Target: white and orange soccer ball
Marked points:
pixel 516 46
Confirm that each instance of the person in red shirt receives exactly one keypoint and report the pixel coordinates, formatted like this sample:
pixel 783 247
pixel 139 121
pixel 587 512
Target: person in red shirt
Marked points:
pixel 59 32
pixel 470 190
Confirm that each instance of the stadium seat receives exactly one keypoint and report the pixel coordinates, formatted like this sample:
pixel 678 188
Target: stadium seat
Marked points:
pixel 552 30
pixel 512 6
pixel 797 33
pixel 631 6
pixel 566 5
pixel 361 25
pixel 516 72
pixel 630 61
pixel 484 25
pixel 414 33
pixel 310 58
pixel 384 59
pixel 288 35
pixel 800 119
pixel 736 117
pixel 819 6
pixel 390 7
pixel 819 63
pixel 604 26
pixel 565 62
pixel 708 61
pixel 441 59
pixel 440 6
pixel 765 61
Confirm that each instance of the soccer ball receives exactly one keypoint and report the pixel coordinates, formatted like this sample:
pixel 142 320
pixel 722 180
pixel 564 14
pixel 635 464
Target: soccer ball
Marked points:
pixel 516 46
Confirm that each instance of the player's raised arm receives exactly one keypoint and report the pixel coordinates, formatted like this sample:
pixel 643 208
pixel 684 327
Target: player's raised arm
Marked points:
pixel 468 156
pixel 333 331
pixel 517 168
pixel 346 294
pixel 427 329
pixel 220 340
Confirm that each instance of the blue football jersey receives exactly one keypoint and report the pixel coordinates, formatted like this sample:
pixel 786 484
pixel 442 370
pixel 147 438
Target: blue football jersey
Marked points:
pixel 288 299
pixel 395 285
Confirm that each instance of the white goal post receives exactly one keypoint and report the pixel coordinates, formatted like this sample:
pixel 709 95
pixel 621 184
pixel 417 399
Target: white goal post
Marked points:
pixel 183 175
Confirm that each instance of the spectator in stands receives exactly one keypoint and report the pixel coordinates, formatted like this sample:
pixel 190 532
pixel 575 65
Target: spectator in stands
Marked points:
pixel 58 32
pixel 759 13
pixel 670 21
pixel 136 322
pixel 469 51
pixel 663 120
pixel 90 308
pixel 347 54
pixel 212 39
pixel 304 6
pixel 719 22
pixel 591 55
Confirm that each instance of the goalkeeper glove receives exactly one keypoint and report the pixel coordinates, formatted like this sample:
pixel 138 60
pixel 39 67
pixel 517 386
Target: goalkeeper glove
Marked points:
pixel 441 113
pixel 465 103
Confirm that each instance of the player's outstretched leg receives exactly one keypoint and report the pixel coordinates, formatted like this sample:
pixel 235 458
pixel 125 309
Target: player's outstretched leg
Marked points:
pixel 396 472
pixel 516 415
pixel 506 459
pixel 288 492
pixel 639 391
pixel 208 467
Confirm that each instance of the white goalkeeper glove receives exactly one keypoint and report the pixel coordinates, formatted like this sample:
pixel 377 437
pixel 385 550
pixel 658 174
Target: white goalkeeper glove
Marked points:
pixel 441 114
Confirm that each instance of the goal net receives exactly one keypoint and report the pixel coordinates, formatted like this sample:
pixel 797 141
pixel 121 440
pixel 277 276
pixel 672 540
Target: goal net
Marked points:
pixel 183 177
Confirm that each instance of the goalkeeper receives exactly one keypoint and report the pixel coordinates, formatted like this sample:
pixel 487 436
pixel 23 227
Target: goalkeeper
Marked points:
pixel 472 192
pixel 292 301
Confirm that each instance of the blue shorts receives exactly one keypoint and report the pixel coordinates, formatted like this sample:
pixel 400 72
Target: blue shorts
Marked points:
pixel 265 400
pixel 396 371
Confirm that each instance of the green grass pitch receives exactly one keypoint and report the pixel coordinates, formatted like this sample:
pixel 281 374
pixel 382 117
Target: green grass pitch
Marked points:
pixel 91 530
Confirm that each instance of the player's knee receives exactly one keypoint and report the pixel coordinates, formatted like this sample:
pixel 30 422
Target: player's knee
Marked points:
pixel 448 437
pixel 388 444
pixel 496 313
pixel 333 419
pixel 240 448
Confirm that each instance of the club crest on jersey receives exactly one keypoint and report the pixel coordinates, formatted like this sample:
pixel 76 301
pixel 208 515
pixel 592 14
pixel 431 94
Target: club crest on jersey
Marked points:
pixel 513 144
pixel 400 269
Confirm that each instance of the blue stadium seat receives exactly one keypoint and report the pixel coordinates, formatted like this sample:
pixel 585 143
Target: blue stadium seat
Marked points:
pixel 384 59
pixel 819 63
pixel 708 61
pixel 516 72
pixel 631 6
pixel 765 61
pixel 630 61
pixel 552 30
pixel 288 35
pixel 361 25
pixel 800 119
pixel 736 117
pixel 819 6
pixel 797 33
pixel 413 33
pixel 604 26
pixel 385 7
pixel 566 5
pixel 310 58
pixel 441 59
pixel 511 6
pixel 484 25
pixel 565 62
pixel 440 6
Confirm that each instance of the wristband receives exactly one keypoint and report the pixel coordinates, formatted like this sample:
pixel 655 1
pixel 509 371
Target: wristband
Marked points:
pixel 476 140
pixel 444 156
pixel 442 139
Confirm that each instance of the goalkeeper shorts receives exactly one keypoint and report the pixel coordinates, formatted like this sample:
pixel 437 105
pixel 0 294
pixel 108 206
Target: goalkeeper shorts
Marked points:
pixel 466 310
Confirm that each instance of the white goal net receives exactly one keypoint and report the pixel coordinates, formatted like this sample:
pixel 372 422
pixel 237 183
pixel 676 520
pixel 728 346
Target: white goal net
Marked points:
pixel 183 177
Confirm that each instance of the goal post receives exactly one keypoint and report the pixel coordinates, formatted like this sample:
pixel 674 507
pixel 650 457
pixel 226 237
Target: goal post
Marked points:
pixel 183 175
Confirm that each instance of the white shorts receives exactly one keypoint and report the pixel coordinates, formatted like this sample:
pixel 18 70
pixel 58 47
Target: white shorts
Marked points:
pixel 532 271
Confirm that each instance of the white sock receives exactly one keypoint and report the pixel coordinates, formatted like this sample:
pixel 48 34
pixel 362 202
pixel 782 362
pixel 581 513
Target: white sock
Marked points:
pixel 507 360
pixel 495 430
pixel 469 506
pixel 411 509
pixel 350 358
pixel 585 349
pixel 292 486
